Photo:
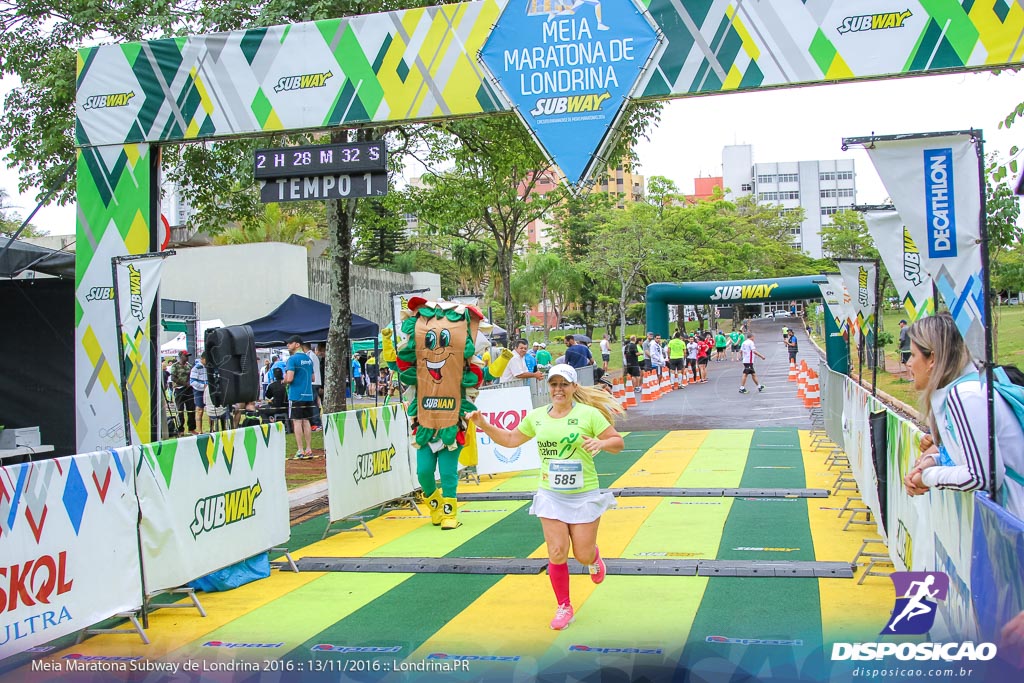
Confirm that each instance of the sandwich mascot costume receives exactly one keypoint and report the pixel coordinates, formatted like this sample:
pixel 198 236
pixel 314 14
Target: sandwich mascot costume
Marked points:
pixel 438 361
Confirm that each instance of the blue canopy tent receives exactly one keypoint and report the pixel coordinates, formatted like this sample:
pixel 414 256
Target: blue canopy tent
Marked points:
pixel 307 318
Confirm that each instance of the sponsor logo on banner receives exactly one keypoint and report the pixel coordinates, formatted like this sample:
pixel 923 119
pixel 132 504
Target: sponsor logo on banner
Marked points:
pixel 302 82
pixel 100 294
pixel 911 259
pixel 135 289
pixel 221 643
pixel 940 208
pixel 862 287
pixel 350 649
pixel 752 641
pixel 616 650
pixel 374 463
pixel 474 658
pixel 100 658
pixel 118 99
pixel 743 292
pixel 874 22
pixel 225 508
pixel 33 582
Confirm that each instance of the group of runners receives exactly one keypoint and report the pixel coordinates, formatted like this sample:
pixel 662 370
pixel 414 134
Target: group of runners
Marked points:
pixel 682 352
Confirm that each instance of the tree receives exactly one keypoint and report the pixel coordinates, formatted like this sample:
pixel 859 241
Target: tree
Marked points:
pixel 541 267
pixel 278 223
pixel 847 237
pixel 10 221
pixel 661 192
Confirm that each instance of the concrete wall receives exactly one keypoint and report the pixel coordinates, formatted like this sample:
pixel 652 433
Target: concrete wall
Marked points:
pixel 236 283
pixel 370 288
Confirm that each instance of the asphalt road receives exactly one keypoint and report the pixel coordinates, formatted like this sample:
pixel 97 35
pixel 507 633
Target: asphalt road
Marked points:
pixel 718 403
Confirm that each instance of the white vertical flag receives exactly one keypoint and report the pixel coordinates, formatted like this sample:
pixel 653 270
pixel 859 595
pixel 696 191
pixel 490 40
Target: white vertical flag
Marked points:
pixel 935 184
pixel 903 260
pixel 844 302
pixel 860 277
pixel 138 282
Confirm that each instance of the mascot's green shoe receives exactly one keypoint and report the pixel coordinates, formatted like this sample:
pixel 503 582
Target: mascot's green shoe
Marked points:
pixel 434 503
pixel 448 511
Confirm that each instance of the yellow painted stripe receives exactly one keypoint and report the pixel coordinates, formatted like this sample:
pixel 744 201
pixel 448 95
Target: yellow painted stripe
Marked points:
pixel 849 612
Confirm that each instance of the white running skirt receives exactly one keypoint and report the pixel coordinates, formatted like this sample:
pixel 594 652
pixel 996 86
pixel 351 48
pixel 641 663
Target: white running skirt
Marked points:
pixel 571 508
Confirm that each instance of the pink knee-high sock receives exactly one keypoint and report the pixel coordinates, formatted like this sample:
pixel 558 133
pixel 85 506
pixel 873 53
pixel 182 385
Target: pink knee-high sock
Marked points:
pixel 559 576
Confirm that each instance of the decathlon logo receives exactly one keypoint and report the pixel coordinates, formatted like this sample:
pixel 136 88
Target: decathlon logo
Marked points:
pixel 226 508
pixel 616 650
pixel 940 208
pixel 587 102
pixel 302 82
pixel 744 292
pixel 374 463
pixel 117 99
pixel 917 594
pixel 874 22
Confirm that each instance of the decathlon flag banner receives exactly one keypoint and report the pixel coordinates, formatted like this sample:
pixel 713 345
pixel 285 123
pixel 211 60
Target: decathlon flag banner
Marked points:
pixel 138 283
pixel 833 298
pixel 843 312
pixel 568 68
pixel 902 259
pixel 935 184
pixel 69 554
pixel 209 501
pixel 505 408
pixel 859 277
pixel 369 459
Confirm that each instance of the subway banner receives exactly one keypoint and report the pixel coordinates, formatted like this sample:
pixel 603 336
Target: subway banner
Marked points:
pixel 369 459
pixel 505 408
pixel 69 554
pixel 903 260
pixel 935 184
pixel 209 501
pixel 137 284
pixel 859 278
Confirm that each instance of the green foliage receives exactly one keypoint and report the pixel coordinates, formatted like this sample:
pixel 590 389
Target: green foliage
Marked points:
pixel 278 223
pixel 847 238
pixel 10 221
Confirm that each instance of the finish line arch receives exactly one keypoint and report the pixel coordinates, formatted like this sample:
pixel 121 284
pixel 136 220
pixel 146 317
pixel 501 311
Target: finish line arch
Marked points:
pixel 661 295
pixel 424 64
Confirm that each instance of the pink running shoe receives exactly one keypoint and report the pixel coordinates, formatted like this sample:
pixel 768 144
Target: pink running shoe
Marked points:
pixel 597 570
pixel 563 617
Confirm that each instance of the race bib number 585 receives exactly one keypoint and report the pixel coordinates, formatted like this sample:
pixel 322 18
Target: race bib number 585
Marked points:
pixel 565 475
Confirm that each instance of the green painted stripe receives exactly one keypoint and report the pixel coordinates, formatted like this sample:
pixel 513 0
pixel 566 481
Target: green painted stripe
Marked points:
pixel 762 608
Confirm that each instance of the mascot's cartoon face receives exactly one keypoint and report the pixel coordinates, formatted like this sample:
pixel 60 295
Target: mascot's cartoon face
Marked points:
pixel 435 355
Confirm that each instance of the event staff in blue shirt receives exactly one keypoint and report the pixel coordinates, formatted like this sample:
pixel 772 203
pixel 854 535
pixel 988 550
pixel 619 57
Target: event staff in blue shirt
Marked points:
pixel 301 406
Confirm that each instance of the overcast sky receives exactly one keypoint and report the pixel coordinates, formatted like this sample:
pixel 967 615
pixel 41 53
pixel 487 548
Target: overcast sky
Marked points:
pixel 782 125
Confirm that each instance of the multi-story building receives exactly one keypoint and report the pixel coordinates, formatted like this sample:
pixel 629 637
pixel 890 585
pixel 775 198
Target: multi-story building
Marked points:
pixel 820 187
pixel 625 185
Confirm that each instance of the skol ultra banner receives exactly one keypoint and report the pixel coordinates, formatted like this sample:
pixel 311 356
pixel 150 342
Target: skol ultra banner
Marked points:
pixel 903 260
pixel 369 460
pixel 211 500
pixel 859 277
pixel 69 554
pixel 505 408
pixel 138 283
pixel 935 184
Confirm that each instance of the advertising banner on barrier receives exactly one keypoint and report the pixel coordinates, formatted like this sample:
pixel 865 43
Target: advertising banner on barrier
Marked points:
pixel 903 260
pixel 857 403
pixel 209 501
pixel 138 282
pixel 843 311
pixel 935 184
pixel 69 553
pixel 506 408
pixel 369 459
pixel 996 578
